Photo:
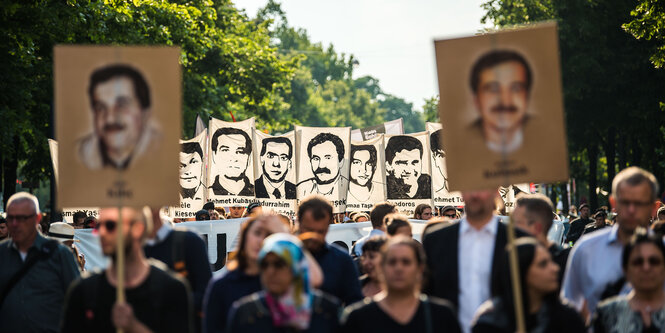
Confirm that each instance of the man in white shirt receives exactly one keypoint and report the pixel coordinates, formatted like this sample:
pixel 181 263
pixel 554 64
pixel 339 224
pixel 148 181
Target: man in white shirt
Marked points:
pixel 376 215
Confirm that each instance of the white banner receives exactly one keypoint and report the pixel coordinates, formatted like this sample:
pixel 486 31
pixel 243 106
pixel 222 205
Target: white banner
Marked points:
pixel 193 159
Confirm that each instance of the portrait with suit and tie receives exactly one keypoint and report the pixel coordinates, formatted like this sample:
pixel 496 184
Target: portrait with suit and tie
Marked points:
pixel 276 162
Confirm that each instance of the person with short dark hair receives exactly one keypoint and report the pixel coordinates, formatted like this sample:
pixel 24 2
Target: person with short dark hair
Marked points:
pixel 449 212
pixel 89 222
pixel 423 212
pixel 78 218
pixel 4 232
pixel 577 225
pixel 202 215
pixel 276 161
pixel 231 151
pixel 405 178
pixel 235 212
pixel 376 215
pixel 600 222
pixel 341 277
pixel 397 224
pixel 370 262
pixel 253 208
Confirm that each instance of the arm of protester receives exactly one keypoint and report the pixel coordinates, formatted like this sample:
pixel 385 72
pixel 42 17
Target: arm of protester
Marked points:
pixel 123 318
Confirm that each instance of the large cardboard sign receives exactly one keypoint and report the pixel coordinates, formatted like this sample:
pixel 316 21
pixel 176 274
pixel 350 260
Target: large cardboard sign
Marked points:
pixel 275 168
pixel 366 175
pixel 441 193
pixel 501 108
pixel 389 127
pixel 323 163
pixel 192 181
pixel 231 172
pixel 118 121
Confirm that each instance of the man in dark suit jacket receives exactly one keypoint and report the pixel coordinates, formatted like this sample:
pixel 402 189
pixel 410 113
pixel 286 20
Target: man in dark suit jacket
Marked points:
pixel 462 257
pixel 288 191
pixel 276 154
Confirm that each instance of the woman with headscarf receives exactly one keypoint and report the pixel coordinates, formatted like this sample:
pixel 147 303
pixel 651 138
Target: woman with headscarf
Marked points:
pixel 287 301
pixel 543 311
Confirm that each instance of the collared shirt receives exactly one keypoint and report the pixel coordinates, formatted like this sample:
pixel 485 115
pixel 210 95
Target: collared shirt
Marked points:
pixel 35 303
pixel 270 188
pixel 475 253
pixel 594 263
pixel 358 247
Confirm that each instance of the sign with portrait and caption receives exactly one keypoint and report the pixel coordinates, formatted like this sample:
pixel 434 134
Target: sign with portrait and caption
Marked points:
pixel 192 181
pixel 118 112
pixel 275 170
pixel 501 108
pixel 408 177
pixel 322 156
pixel 441 194
pixel 389 127
pixel 366 175
pixel 231 170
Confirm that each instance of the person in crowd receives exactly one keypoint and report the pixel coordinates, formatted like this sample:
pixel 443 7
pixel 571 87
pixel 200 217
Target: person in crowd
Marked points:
pixel 400 307
pixel 287 301
pixel 341 277
pixel 542 309
pixel 89 222
pixel 577 225
pixel 370 262
pixel 533 214
pixel 64 233
pixel 32 303
pixel 643 309
pixel 449 212
pixel 202 215
pixel 594 266
pixel 209 206
pixel 156 300
pixel 361 217
pixel 4 232
pixel 78 219
pixel 214 215
pixel 572 213
pixel 423 212
pixel 221 212
pixel 600 222
pixel 463 257
pixel 235 212
pixel 253 209
pixel 658 227
pixel 397 224
pixel 184 252
pixel 661 214
pixel 376 215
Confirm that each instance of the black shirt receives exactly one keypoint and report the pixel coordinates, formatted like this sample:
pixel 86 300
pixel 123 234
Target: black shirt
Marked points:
pixel 161 302
pixel 367 316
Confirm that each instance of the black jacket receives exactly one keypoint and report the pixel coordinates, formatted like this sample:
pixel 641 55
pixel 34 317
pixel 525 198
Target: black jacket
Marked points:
pixel 262 192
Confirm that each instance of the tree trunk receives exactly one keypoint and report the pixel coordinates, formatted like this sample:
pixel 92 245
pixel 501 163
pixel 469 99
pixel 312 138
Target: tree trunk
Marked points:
pixel 10 166
pixel 564 197
pixel 610 154
pixel 592 155
pixel 637 152
pixel 623 152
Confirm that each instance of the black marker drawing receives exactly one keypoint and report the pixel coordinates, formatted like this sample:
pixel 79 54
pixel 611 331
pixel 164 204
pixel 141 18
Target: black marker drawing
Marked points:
pixel 191 172
pixel 405 179
pixel 231 151
pixel 276 162
pixel 439 172
pixel 361 173
pixel 326 158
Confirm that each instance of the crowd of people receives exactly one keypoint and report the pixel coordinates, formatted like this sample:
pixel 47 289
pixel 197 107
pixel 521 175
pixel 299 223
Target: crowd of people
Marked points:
pixel 605 276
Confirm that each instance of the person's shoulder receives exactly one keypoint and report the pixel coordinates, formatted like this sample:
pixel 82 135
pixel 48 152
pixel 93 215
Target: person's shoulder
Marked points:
pixel 325 300
pixel 160 273
pixel 358 309
pixel 88 282
pixel 250 304
pixel 442 230
pixel 613 304
pixel 441 304
pixel 337 251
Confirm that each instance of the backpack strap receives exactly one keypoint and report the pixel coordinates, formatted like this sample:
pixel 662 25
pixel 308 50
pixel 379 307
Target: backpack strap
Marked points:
pixel 45 252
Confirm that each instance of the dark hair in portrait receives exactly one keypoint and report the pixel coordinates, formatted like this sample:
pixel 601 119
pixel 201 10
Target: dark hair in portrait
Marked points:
pixel 402 142
pixel 283 140
pixel 232 131
pixel 435 143
pixel 323 137
pixel 372 153
pixel 106 73
pixel 494 58
pixel 191 147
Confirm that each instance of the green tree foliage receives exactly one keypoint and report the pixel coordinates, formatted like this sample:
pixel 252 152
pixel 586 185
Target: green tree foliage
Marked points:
pixel 648 22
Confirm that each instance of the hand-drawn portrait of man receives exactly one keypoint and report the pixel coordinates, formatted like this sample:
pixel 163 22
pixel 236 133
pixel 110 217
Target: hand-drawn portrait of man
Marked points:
pixel 231 150
pixel 326 158
pixel 404 178
pixel 275 158
pixel 501 83
pixel 191 171
pixel 122 127
pixel 438 157
pixel 361 172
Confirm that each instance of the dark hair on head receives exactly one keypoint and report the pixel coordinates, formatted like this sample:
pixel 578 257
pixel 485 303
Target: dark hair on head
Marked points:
pixel 659 227
pixel 79 215
pixel 323 137
pixel 435 142
pixel 640 237
pixel 106 73
pixel 379 211
pixel 209 205
pixel 202 215
pixel 191 147
pixel 240 260
pixel 634 176
pixel 278 139
pixel 374 244
pixel 231 131
pixel 2 220
pixel 420 209
pixel 318 205
pixel 394 221
pixel 372 153
pixel 89 220
pixel 402 142
pixel 538 208
pixel 494 58
pixel 417 248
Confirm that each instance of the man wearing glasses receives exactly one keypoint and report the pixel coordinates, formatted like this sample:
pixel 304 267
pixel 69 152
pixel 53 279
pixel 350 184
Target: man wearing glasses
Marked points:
pixel 32 299
pixel 449 212
pixel 595 261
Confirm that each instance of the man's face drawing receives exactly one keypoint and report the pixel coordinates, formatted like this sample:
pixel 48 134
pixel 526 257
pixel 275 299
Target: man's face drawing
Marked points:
pixel 275 161
pixel 325 162
pixel 502 96
pixel 231 156
pixel 362 169
pixel 439 158
pixel 406 166
pixel 190 170
pixel 118 117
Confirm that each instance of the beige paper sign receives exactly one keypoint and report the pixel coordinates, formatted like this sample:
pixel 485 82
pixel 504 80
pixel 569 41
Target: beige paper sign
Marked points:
pixel 275 171
pixel 192 181
pixel 118 112
pixel 367 175
pixel 501 108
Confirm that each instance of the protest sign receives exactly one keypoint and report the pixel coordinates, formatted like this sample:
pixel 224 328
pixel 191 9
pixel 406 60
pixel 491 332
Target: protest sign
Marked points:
pixel 366 175
pixel 322 155
pixel 509 195
pixel 441 194
pixel 501 108
pixel 118 113
pixel 390 127
pixel 231 172
pixel 193 189
pixel 274 165
pixel 408 180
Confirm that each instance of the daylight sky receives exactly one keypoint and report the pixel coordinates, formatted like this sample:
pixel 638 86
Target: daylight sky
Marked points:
pixel 391 39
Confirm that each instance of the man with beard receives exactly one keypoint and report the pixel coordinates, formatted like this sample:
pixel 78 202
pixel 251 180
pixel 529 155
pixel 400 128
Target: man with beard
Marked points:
pixel 438 156
pixel 191 169
pixel 361 174
pixel 123 130
pixel 501 82
pixel 275 157
pixel 326 157
pixel 232 148
pixel 156 299
pixel 405 179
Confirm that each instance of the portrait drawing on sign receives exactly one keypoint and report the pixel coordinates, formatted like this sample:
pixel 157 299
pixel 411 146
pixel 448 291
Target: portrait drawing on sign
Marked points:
pixel 361 173
pixel 326 158
pixel 231 153
pixel 191 171
pixel 405 179
pixel 275 157
pixel 439 159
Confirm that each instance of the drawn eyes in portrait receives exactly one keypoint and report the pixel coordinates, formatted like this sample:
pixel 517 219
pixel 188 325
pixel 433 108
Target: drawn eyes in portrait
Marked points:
pixel 275 159
pixel 232 149
pixel 405 179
